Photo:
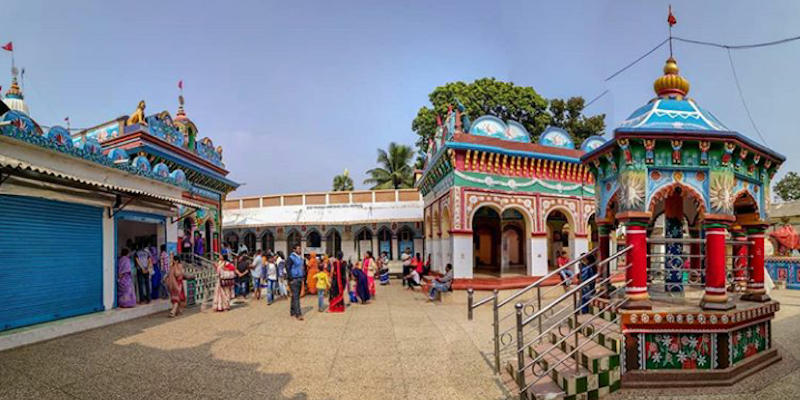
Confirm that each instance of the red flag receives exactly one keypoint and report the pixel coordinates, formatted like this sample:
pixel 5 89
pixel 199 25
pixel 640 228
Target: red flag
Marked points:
pixel 671 18
pixel 9 47
pixel 180 84
pixel 66 119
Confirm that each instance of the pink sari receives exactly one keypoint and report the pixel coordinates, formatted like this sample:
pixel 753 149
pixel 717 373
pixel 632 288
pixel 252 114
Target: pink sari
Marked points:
pixel 368 270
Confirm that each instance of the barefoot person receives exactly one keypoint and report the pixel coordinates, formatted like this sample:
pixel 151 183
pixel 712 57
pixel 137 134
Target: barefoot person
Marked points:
pixel 175 286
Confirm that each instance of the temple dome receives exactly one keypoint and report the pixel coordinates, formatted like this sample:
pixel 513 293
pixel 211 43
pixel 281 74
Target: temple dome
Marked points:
pixel 14 98
pixel 672 110
pixel 183 123
pixel 491 126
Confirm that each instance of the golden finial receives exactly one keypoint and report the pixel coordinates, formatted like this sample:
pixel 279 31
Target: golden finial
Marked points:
pixel 671 84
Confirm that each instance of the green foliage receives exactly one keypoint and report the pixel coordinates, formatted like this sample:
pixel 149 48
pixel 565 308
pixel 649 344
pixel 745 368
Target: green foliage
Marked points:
pixel 507 101
pixel 395 170
pixel 569 116
pixel 788 188
pixel 343 182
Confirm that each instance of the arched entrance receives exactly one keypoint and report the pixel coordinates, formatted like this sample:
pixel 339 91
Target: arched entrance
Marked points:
pixel 405 239
pixel 333 243
pixel 293 239
pixel 385 241
pixel 363 242
pixel 267 242
pixel 486 240
pixel 232 240
pixel 560 237
pixel 250 241
pixel 314 241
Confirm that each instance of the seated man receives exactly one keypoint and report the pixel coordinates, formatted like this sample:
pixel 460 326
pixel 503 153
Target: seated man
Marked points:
pixel 567 273
pixel 441 284
pixel 413 279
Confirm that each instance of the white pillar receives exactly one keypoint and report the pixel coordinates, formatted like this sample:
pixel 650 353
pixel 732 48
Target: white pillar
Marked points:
pixel 463 258
pixel 109 261
pixel 537 266
pixel 447 252
pixel 436 252
pixel 581 246
pixel 172 236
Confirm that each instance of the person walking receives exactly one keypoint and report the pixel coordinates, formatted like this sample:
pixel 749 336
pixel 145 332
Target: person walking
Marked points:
pixel 126 297
pixel 338 284
pixel 226 276
pixel 321 283
pixel 296 270
pixel 164 263
pixel 257 272
pixel 271 272
pixel 177 295
pixel 407 259
pixel 155 276
pixel 280 264
pixel 242 276
pixel 369 270
pixel 313 268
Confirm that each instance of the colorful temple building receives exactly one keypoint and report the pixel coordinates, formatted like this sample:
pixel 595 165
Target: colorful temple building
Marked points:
pixel 69 207
pixel 497 205
pixel 695 310
pixel 162 144
pixel 352 222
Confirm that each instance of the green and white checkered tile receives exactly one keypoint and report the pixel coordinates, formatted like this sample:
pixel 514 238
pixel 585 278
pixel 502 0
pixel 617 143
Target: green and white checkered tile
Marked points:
pixel 593 356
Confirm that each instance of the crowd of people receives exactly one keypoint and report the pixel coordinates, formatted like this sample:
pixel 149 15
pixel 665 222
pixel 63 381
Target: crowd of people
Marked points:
pixel 145 273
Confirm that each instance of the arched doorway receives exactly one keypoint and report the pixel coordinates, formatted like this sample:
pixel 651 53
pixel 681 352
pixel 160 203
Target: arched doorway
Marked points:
pixel 232 239
pixel 405 240
pixel 486 240
pixel 250 241
pixel 333 243
pixel 363 242
pixel 314 241
pixel 293 239
pixel 513 256
pixel 559 237
pixel 267 242
pixel 385 241
pixel 188 224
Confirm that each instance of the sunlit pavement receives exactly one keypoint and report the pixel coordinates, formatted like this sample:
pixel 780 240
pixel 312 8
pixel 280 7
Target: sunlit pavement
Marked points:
pixel 399 346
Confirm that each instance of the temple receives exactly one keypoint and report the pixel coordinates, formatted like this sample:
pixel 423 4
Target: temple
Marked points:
pixel 498 205
pixel 161 144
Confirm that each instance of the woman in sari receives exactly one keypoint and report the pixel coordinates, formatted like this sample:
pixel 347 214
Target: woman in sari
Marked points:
pixel 369 270
pixel 126 298
pixel 313 268
pixel 362 284
pixel 225 280
pixel 338 275
pixel 175 286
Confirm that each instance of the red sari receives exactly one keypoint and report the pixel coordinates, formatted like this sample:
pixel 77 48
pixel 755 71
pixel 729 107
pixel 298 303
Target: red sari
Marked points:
pixel 368 271
pixel 338 287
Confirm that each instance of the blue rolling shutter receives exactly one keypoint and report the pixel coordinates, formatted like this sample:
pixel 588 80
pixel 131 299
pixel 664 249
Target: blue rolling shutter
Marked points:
pixel 51 261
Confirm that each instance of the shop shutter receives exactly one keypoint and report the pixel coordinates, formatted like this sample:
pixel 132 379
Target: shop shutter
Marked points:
pixel 51 264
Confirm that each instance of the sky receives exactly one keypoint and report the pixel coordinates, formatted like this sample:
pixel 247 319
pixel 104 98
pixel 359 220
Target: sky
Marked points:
pixel 295 92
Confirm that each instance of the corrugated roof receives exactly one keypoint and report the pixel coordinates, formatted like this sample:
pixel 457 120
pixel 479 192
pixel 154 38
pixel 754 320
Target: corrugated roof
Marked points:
pixel 332 214
pixel 10 162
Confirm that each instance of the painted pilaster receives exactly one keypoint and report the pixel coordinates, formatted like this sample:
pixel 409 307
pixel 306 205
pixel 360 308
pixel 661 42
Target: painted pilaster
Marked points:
pixel 109 261
pixel 463 259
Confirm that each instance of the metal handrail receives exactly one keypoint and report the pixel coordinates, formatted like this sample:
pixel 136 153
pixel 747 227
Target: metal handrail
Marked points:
pixel 575 350
pixel 542 279
pixel 541 334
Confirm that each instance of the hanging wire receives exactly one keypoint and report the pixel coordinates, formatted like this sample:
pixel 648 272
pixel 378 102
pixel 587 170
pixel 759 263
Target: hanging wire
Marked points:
pixel 605 92
pixel 738 47
pixel 637 60
pixel 741 97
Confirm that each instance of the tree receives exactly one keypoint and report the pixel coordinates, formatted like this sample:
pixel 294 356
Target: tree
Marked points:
pixel 508 102
pixel 395 170
pixel 788 188
pixel 569 116
pixel 343 182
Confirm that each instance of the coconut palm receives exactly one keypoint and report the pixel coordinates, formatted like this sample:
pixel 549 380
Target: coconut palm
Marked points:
pixel 395 171
pixel 343 182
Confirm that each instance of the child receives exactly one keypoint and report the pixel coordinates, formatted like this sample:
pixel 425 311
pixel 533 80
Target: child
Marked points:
pixel 351 290
pixel 322 283
pixel 413 279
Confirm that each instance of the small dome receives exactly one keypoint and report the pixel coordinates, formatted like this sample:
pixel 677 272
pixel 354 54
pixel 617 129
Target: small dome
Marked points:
pixel 60 136
pixel 92 146
pixel 118 156
pixel 491 126
pixel 178 176
pixel 161 170
pixel 671 84
pixel 14 98
pixel 23 122
pixel 592 142
pixel 142 164
pixel 556 137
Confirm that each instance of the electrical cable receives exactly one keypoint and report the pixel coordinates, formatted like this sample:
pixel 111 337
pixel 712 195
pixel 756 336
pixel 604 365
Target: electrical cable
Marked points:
pixel 637 60
pixel 741 97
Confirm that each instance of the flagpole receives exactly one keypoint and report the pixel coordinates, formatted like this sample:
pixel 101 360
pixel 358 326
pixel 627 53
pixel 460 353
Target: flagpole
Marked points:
pixel 669 23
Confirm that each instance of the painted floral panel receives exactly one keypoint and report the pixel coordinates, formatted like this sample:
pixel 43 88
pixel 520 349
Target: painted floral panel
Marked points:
pixel 678 351
pixel 748 341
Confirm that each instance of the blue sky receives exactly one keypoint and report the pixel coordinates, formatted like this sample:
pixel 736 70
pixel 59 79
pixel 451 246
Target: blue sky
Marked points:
pixel 297 91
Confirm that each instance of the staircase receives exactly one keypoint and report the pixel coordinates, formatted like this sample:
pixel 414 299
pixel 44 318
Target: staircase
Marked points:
pixel 555 350
pixel 582 363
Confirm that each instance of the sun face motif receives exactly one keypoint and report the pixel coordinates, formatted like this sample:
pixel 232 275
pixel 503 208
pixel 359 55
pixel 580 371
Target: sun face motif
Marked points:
pixel 721 193
pixel 632 189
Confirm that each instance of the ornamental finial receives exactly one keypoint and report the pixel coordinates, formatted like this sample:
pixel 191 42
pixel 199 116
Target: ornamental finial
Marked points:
pixel 671 84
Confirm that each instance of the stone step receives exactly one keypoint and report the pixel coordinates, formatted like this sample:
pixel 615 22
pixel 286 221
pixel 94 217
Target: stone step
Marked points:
pixel 607 315
pixel 543 389
pixel 570 376
pixel 591 355
pixel 609 336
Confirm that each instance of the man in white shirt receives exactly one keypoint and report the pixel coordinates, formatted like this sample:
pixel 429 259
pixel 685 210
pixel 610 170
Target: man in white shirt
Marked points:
pixel 406 258
pixel 272 278
pixel 257 271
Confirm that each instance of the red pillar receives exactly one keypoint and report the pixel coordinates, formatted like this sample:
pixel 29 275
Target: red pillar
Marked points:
pixel 695 262
pixel 755 286
pixel 603 246
pixel 636 274
pixel 740 261
pixel 715 296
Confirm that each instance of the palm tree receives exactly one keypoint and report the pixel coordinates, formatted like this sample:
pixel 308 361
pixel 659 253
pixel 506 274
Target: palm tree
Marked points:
pixel 395 171
pixel 343 182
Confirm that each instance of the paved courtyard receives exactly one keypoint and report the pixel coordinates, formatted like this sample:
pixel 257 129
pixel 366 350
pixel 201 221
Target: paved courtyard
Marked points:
pixel 397 347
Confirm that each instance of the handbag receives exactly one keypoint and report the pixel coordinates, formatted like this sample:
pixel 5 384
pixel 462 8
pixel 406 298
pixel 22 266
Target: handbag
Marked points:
pixel 227 278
